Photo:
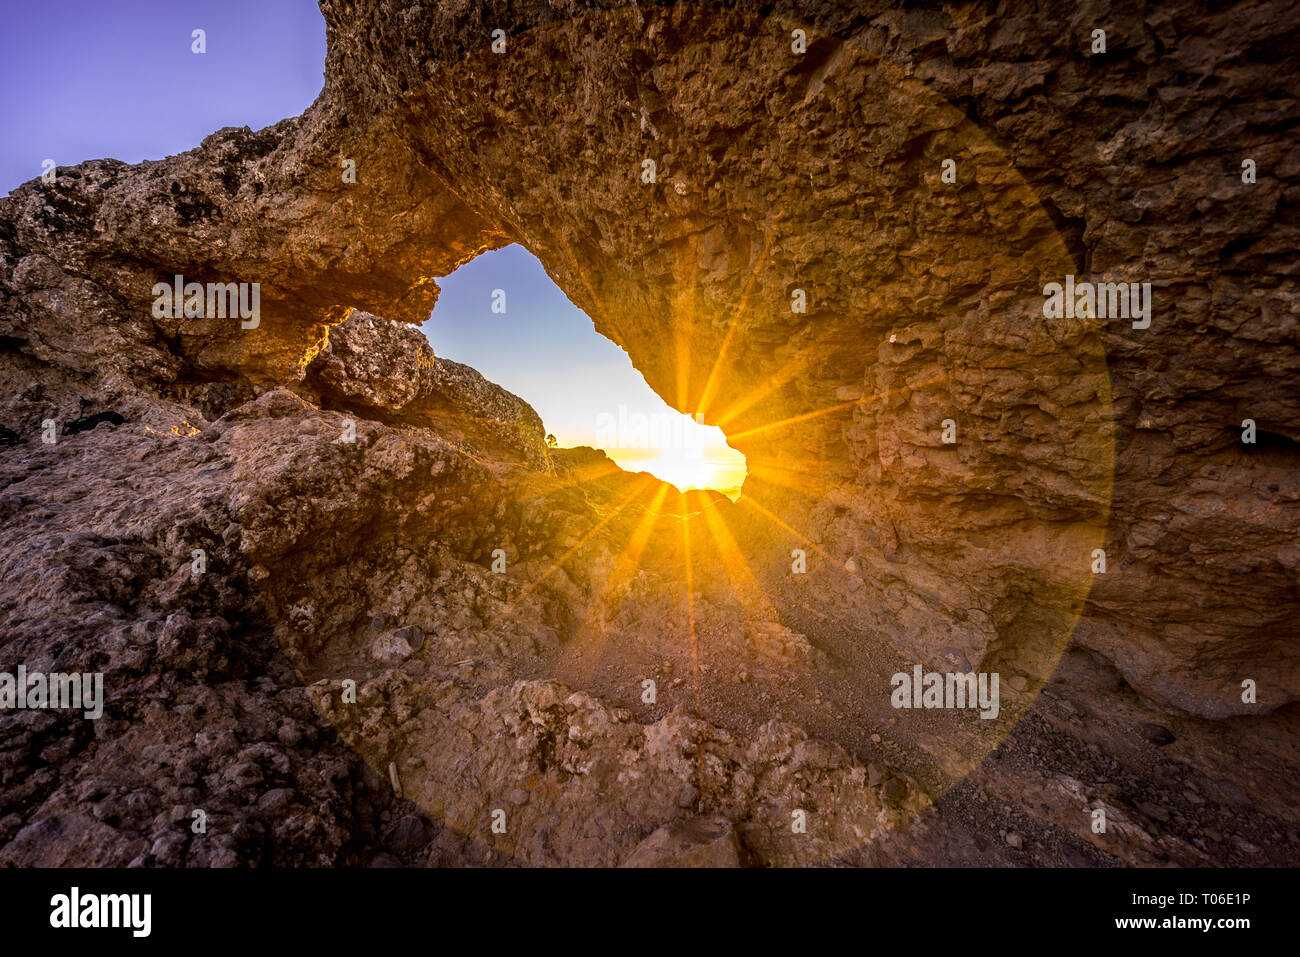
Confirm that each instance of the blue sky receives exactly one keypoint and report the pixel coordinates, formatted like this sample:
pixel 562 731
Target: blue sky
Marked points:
pixel 539 333
pixel 88 79
pixel 546 350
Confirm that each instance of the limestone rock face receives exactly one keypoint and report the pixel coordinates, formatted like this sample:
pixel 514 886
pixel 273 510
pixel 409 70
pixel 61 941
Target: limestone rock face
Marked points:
pixel 777 240
pixel 388 370
pixel 700 842
pixel 372 362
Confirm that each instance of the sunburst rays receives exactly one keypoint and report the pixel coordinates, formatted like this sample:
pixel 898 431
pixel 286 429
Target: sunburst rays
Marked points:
pixel 702 531
pixel 591 533
pixel 826 410
pixel 748 501
pixel 712 383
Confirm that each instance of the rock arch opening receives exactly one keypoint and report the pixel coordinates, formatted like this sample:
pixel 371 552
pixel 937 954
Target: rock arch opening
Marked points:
pixel 503 315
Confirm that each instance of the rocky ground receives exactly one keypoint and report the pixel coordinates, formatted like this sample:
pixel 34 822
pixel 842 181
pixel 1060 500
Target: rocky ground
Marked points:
pixel 416 635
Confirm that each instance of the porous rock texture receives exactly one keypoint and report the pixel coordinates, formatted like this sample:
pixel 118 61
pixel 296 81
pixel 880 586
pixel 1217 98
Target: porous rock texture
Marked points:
pixel 351 679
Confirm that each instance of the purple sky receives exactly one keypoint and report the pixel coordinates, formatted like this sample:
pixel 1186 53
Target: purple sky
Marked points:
pixel 86 79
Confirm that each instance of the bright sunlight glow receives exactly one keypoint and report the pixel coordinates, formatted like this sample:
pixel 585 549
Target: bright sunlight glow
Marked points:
pixel 703 461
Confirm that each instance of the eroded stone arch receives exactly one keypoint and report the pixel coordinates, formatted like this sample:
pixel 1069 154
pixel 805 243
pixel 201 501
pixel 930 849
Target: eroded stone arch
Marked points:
pixel 925 296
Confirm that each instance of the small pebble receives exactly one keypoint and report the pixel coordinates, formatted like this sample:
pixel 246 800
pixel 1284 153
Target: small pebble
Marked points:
pixel 1157 734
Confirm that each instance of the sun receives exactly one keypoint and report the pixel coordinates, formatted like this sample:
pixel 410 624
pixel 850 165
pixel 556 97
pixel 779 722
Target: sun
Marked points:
pixel 691 456
pixel 685 468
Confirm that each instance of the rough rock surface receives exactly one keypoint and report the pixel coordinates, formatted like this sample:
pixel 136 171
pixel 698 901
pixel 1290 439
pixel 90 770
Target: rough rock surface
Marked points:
pixel 371 561
pixel 388 371
pixel 698 842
